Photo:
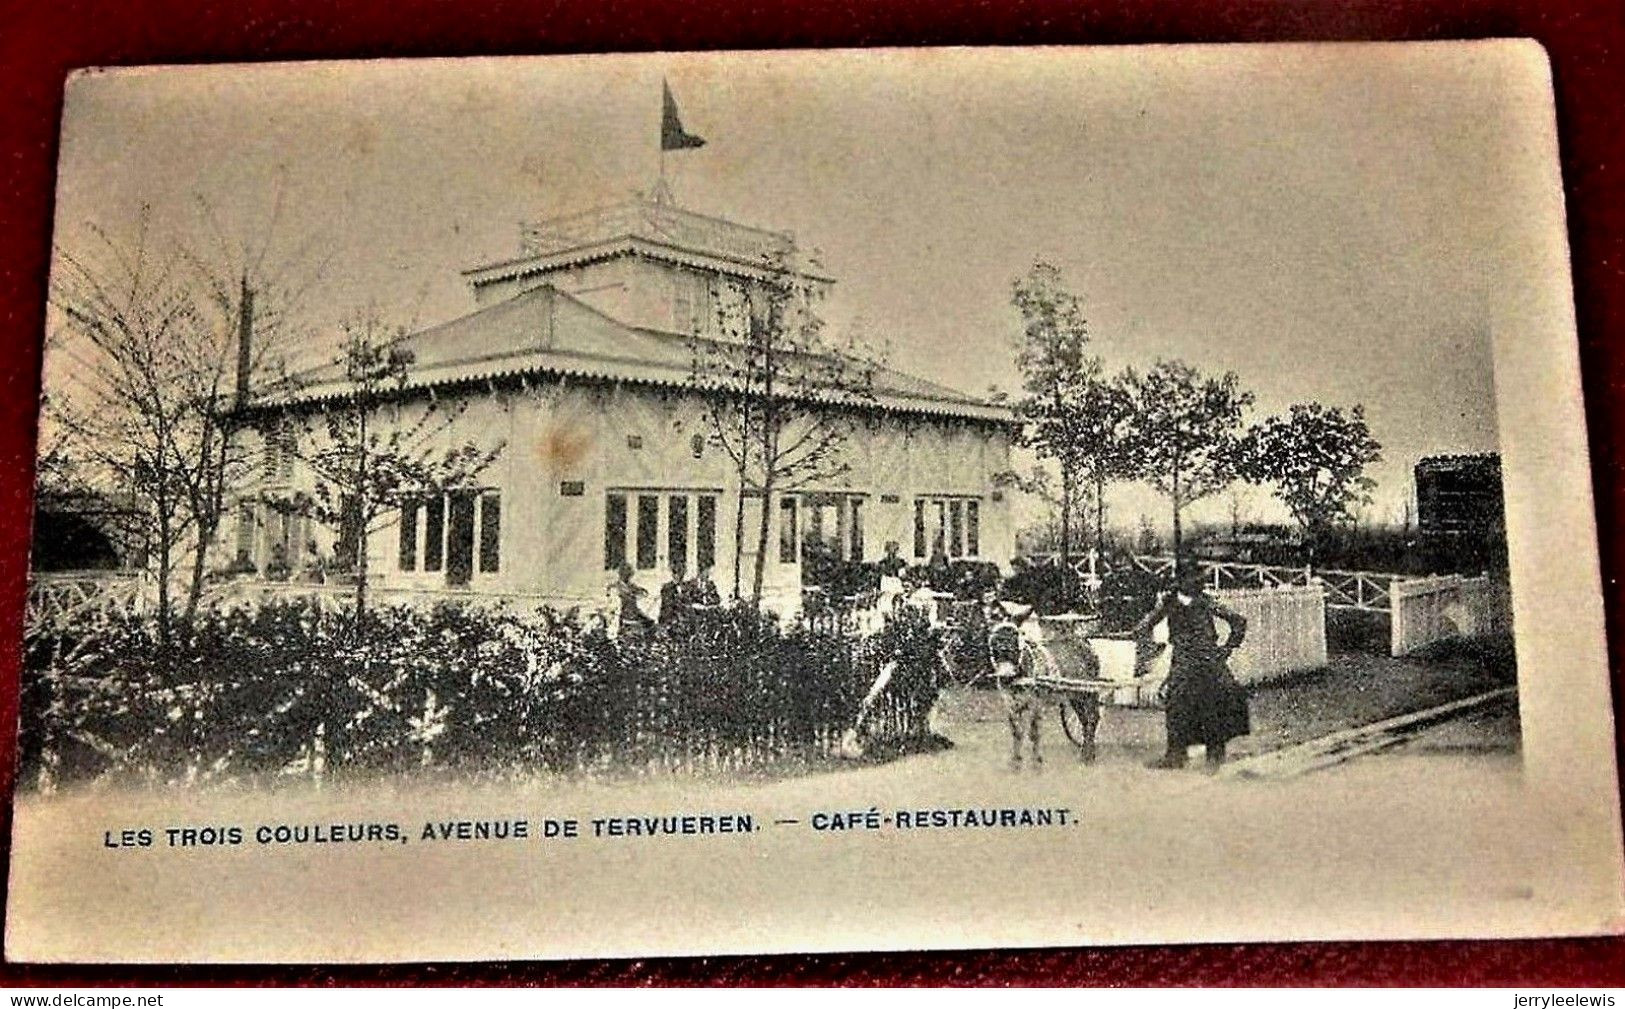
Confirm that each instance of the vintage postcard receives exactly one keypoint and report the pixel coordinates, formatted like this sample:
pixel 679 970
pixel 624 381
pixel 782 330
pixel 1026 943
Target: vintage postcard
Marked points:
pixel 745 502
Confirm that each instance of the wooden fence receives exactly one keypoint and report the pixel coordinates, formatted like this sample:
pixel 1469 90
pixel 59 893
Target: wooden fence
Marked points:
pixel 1286 631
pixel 64 599
pixel 1427 611
pixel 1286 634
pixel 1349 590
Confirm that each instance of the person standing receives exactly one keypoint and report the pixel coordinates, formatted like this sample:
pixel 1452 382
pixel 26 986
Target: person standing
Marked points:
pixel 674 595
pixel 702 591
pixel 626 603
pixel 891 565
pixel 1204 704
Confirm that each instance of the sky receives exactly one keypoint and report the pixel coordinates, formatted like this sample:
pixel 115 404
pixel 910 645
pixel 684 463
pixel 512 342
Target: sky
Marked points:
pixel 1324 220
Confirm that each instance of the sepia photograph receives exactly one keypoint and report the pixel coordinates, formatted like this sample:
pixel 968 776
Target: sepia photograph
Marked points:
pixel 624 505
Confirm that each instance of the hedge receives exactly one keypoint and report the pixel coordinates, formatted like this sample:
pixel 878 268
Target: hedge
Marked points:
pixel 290 688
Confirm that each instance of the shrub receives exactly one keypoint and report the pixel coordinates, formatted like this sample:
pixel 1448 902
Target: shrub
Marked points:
pixel 1127 594
pixel 1047 588
pixel 289 686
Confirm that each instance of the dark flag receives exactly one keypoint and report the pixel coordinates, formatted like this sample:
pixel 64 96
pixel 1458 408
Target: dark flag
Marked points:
pixel 672 135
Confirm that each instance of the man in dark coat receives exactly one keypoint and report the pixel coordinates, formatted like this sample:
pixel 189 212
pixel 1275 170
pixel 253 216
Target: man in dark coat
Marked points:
pixel 674 596
pixel 1204 703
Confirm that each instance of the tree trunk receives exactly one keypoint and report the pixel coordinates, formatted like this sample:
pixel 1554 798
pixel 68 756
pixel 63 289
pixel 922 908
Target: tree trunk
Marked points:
pixel 361 576
pixel 1179 557
pixel 363 508
pixel 761 547
pixel 1066 515
pixel 165 565
pixel 1100 518
pixel 194 590
pixel 739 534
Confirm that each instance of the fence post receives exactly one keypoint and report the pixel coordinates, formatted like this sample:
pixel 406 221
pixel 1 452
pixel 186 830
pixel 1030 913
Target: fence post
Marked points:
pixel 48 757
pixel 318 754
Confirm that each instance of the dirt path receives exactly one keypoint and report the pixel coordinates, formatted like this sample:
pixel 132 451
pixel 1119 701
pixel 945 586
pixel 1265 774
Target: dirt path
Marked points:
pixel 1354 689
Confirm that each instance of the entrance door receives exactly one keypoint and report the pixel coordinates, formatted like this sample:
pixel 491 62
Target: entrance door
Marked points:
pixel 460 539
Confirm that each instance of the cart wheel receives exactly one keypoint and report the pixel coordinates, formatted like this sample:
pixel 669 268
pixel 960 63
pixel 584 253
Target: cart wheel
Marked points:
pixel 1080 726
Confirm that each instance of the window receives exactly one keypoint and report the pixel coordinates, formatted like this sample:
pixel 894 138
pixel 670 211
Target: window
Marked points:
pixel 409 535
pixel 648 530
pixel 434 533
pixel 281 539
pixel 787 530
pixel 819 527
pixel 614 531
pixel 947 525
pixel 657 529
pixel 690 301
pixel 280 448
pixel 682 301
pixel 460 537
pixel 245 532
pixel 705 534
pixel 348 546
pixel 290 448
pixel 855 530
pixel 677 532
pixel 490 532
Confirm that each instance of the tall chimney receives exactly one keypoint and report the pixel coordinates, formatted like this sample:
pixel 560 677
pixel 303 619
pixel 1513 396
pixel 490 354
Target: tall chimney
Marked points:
pixel 245 341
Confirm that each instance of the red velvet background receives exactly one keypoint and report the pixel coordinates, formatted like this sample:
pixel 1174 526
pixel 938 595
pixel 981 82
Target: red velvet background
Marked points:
pixel 40 42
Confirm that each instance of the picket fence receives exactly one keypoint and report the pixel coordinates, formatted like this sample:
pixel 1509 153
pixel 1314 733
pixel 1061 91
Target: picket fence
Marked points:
pixel 1286 634
pixel 1428 611
pixel 1286 631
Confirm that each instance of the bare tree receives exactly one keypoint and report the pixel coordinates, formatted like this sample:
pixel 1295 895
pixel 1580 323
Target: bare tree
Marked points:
pixel 136 337
pixel 153 329
pixel 252 293
pixel 781 400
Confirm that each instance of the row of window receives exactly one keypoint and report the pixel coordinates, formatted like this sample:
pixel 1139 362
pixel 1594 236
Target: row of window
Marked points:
pixel 830 527
pixel 811 528
pixel 636 522
pixel 460 533
pixel 270 539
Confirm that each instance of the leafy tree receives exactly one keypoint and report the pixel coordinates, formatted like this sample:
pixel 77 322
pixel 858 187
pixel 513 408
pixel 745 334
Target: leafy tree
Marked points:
pixel 1050 355
pixel 1314 458
pixel 779 395
pixel 1104 424
pixel 371 451
pixel 1188 432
